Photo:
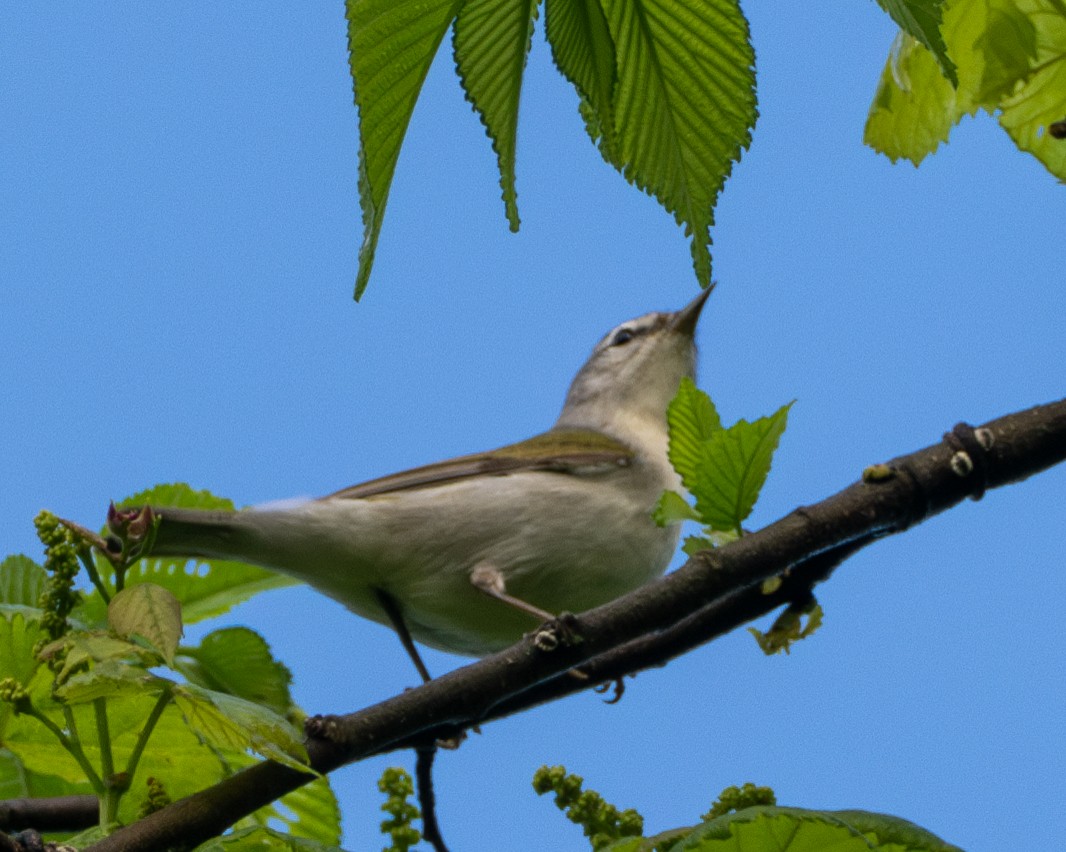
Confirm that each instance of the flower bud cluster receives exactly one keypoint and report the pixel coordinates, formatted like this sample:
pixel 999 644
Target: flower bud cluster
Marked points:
pixel 61 563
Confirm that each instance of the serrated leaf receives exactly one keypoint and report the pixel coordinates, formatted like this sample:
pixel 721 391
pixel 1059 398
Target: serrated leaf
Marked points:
pixel 996 46
pixel 22 582
pixel 1010 56
pixel 1041 100
pixel 263 839
pixel 492 39
pixel 922 19
pixel 914 107
pixel 151 612
pixel 238 661
pixel 110 679
pixel 734 468
pixel 233 724
pixel 84 647
pixel 798 830
pixel 392 44
pixel 206 588
pixel 584 52
pixel 672 508
pixel 684 105
pixel 692 420
pixel 310 811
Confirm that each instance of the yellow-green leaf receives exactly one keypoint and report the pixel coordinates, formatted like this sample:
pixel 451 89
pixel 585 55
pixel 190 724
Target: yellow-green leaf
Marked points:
pixel 149 611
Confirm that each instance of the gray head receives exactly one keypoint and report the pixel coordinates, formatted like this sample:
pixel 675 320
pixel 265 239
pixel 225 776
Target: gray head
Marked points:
pixel 635 370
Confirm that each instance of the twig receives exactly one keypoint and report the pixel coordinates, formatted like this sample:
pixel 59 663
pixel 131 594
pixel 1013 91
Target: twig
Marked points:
pixel 427 800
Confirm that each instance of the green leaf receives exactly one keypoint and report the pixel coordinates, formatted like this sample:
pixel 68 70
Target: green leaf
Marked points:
pixel 492 39
pixel 1010 56
pixel 109 679
pixel 734 468
pixel 97 646
pixel 237 661
pixel 914 108
pixel 310 811
pixel 684 104
pixel 921 19
pixel 995 43
pixel 21 582
pixel 672 508
pixel 798 830
pixel 392 44
pixel 264 839
pixel 584 52
pixel 206 588
pixel 18 637
pixel 1041 100
pixel 16 781
pixel 692 419
pixel 233 724
pixel 151 612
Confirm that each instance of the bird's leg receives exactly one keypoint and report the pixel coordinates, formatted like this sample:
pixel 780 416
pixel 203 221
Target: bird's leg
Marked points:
pixel 392 610
pixel 489 580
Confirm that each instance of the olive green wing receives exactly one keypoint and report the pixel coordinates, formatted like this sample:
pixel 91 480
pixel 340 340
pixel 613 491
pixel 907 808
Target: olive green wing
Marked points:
pixel 572 451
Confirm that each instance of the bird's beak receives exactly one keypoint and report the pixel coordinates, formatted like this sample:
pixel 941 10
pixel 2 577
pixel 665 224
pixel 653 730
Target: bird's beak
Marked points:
pixel 684 321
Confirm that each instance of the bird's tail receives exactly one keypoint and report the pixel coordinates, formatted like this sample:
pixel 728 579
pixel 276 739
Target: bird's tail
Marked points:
pixel 201 533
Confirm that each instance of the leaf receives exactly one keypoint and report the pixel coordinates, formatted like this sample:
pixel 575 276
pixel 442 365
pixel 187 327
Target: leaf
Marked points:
pixel 22 582
pixel 492 39
pixel 798 830
pixel 83 647
pixel 18 637
pixel 921 19
pixel 693 544
pixel 995 43
pixel 734 469
pixel 237 661
pixel 1041 100
pixel 584 52
pixel 392 44
pixel 230 723
pixel 310 811
pixel 149 611
pixel 692 420
pixel 264 839
pixel 672 508
pixel 110 679
pixel 684 105
pixel 16 781
pixel 206 588
pixel 1010 56
pixel 914 108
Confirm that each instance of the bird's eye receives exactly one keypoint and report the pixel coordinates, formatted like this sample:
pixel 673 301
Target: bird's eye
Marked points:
pixel 622 336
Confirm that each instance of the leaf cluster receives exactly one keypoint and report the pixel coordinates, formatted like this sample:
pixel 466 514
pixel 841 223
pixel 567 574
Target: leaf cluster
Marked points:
pixel 107 700
pixel 1005 57
pixel 724 469
pixel 666 88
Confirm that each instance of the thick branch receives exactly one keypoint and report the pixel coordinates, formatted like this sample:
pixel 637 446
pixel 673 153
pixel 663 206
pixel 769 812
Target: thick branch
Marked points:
pixel 649 625
pixel 61 813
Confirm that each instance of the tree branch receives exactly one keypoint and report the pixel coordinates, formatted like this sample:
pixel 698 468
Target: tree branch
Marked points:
pixel 711 593
pixel 60 813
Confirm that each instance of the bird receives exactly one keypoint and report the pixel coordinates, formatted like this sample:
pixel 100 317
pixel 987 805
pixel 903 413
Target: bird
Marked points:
pixel 468 555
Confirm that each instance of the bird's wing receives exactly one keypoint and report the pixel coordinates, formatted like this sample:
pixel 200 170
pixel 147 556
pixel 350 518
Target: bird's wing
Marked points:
pixel 573 451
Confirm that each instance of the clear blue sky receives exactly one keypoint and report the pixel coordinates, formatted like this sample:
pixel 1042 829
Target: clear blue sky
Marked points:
pixel 179 229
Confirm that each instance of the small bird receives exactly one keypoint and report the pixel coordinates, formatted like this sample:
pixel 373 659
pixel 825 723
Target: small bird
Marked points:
pixel 466 555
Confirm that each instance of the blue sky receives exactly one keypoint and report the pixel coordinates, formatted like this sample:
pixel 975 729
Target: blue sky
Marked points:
pixel 180 226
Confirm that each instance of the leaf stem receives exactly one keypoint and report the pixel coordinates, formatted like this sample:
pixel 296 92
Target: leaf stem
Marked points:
pixel 146 732
pixel 85 555
pixel 71 743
